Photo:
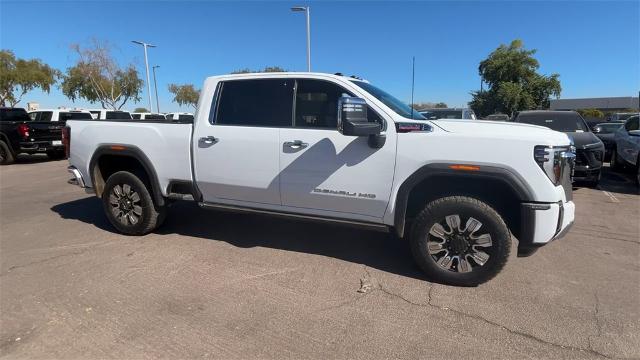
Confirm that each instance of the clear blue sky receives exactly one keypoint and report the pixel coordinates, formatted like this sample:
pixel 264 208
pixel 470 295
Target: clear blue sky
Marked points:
pixel 594 46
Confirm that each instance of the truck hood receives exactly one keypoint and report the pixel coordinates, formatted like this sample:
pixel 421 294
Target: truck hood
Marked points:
pixel 501 129
pixel 584 139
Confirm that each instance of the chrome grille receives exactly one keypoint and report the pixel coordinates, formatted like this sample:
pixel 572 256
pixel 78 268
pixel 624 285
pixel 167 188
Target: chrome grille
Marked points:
pixel 567 165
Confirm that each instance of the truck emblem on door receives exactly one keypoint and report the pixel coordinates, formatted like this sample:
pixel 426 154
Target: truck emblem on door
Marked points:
pixel 344 193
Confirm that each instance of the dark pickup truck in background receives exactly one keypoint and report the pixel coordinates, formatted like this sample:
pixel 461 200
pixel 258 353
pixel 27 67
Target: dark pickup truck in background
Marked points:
pixel 19 134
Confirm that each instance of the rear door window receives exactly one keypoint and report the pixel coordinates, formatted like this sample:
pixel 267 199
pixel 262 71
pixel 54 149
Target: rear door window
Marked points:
pixel 632 124
pixel 34 116
pixel 260 102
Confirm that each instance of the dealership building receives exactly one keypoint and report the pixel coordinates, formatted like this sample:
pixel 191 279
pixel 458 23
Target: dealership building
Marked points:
pixel 606 104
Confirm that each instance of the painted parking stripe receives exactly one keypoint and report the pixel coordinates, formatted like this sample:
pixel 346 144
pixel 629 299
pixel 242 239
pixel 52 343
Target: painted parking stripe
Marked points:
pixel 611 196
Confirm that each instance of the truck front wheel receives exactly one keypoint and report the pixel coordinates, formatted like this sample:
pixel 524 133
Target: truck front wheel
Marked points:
pixel 129 206
pixel 460 241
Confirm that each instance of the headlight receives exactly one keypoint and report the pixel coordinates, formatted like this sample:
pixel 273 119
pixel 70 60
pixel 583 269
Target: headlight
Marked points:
pixel 549 158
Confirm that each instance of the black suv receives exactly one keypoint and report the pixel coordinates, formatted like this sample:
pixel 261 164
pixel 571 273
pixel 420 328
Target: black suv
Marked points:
pixel 589 149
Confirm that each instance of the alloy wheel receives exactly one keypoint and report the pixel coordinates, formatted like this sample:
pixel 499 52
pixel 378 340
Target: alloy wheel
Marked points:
pixel 125 204
pixel 458 249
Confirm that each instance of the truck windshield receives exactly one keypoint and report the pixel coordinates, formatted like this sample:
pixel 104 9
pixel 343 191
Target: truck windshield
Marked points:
pixel 16 114
pixel 564 122
pixel 393 103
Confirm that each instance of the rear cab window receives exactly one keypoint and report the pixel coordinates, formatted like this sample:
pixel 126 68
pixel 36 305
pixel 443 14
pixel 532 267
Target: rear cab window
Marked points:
pixel 118 115
pixel 74 115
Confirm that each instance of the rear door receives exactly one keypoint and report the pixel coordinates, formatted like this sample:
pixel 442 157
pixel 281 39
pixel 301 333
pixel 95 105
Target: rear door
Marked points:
pixel 236 152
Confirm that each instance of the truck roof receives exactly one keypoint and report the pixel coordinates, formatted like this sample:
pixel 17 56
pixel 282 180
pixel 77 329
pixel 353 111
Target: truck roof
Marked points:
pixel 284 74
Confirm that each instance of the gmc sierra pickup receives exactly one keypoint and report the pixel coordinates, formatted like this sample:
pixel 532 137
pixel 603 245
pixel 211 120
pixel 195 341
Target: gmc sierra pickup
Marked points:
pixel 328 147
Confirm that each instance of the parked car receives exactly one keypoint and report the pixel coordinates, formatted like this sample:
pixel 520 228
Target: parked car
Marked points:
pixel 626 151
pixel 61 115
pixel 182 116
pixel 604 132
pixel 332 148
pixel 148 116
pixel 589 149
pixel 497 117
pixel 453 113
pixel 103 114
pixel 19 134
pixel 621 116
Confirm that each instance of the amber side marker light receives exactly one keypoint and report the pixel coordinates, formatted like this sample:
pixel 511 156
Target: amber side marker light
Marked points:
pixel 464 167
pixel 118 147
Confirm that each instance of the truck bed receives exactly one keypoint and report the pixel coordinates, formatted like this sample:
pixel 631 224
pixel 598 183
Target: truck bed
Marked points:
pixel 166 144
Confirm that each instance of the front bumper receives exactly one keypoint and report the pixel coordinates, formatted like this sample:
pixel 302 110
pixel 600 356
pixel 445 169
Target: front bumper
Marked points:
pixel 588 163
pixel 541 223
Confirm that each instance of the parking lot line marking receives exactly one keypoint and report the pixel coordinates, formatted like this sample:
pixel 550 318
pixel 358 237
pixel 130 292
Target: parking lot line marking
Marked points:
pixel 611 196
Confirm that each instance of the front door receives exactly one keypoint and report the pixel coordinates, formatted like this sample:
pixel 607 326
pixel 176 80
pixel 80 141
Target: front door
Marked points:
pixel 326 172
pixel 236 153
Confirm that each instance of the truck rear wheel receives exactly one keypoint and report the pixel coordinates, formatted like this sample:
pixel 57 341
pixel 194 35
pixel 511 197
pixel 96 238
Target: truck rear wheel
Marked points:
pixel 6 156
pixel 129 206
pixel 460 241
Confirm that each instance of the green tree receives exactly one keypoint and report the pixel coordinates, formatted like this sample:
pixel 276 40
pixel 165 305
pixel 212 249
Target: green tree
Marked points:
pixel 185 94
pixel 591 113
pixel 514 84
pixel 98 78
pixel 141 110
pixel 428 105
pixel 266 69
pixel 19 76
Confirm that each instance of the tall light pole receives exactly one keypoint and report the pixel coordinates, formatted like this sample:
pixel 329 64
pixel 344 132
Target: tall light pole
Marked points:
pixel 146 63
pixel 155 85
pixel 306 11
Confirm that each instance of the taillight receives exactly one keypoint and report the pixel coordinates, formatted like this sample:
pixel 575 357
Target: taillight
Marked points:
pixel 23 130
pixel 66 141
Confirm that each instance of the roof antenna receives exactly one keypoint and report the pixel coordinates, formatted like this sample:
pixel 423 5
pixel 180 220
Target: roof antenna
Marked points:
pixel 413 80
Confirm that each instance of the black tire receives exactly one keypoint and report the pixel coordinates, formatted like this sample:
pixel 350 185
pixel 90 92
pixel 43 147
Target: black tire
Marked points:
pixel 594 183
pixel 615 163
pixel 6 156
pixel 55 155
pixel 495 251
pixel 128 205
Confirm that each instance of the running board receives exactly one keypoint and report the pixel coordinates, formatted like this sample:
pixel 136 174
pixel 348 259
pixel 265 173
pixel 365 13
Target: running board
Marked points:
pixel 353 223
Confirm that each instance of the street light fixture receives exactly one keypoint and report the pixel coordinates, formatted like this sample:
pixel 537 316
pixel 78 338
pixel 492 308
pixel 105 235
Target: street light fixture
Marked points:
pixel 146 63
pixel 306 11
pixel 155 85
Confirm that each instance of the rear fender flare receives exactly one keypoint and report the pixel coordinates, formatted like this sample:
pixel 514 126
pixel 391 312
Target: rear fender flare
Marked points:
pixel 132 152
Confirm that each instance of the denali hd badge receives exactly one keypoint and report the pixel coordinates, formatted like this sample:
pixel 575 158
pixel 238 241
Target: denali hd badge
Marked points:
pixel 344 193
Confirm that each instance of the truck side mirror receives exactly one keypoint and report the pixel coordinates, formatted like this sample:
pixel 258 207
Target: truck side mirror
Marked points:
pixel 352 118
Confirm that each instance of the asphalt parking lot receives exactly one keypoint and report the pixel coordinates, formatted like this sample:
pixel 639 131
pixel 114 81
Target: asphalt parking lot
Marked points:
pixel 221 285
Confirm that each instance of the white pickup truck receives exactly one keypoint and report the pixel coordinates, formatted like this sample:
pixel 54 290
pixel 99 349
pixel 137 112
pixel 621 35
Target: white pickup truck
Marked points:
pixel 326 147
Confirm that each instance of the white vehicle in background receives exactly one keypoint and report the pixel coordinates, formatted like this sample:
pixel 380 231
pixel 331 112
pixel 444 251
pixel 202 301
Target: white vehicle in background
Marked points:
pixel 147 116
pixel 103 114
pixel 448 113
pixel 59 115
pixel 314 146
pixel 183 116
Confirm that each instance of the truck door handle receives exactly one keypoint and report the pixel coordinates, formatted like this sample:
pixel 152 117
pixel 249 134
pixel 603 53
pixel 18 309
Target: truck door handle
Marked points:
pixel 296 144
pixel 209 140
